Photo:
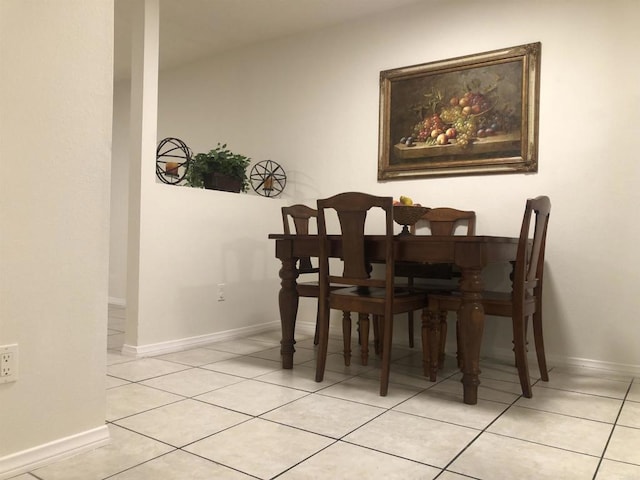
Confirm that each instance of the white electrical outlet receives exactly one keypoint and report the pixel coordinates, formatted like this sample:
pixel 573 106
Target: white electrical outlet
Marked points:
pixel 221 292
pixel 8 363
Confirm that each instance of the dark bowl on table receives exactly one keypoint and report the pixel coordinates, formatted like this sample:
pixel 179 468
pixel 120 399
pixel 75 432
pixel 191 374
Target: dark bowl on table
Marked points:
pixel 408 214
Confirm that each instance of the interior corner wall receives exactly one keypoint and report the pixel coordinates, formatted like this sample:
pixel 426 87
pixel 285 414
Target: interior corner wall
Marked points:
pixel 311 101
pixel 56 94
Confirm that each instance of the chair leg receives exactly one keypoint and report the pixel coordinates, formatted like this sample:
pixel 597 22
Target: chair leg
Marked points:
pixel 364 338
pixel 376 334
pixel 519 343
pixel 387 340
pixel 442 314
pixel 538 339
pixel 316 335
pixel 410 314
pixel 410 328
pixel 426 351
pixel 323 343
pixel 526 340
pixel 459 357
pixel 346 337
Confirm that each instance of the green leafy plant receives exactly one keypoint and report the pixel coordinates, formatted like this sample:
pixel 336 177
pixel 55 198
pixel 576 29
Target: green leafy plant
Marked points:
pixel 219 160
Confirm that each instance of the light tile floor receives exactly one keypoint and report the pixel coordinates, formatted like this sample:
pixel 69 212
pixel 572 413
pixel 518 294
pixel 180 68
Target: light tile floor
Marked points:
pixel 228 411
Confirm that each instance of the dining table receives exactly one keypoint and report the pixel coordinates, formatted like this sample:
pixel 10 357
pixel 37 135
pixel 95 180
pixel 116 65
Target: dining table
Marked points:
pixel 471 254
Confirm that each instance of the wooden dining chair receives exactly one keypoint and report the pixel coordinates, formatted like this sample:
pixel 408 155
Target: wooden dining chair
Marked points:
pixel 301 215
pixel 441 221
pixel 362 294
pixel 524 301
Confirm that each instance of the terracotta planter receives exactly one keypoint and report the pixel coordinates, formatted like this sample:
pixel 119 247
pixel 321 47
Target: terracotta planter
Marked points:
pixel 219 181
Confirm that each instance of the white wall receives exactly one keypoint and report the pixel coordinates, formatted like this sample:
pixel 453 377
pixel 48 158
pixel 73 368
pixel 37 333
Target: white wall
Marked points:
pixel 119 197
pixel 55 125
pixel 310 102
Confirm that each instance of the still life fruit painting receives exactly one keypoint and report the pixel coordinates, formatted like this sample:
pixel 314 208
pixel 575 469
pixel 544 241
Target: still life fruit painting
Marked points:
pixel 474 114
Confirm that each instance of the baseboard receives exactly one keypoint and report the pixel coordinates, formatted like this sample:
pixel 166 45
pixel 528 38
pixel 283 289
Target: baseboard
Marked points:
pixel 308 328
pixel 29 460
pixel 562 361
pixel 117 302
pixel 191 342
pixel 633 370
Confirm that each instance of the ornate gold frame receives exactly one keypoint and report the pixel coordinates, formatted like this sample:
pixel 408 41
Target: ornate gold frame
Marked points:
pixel 491 97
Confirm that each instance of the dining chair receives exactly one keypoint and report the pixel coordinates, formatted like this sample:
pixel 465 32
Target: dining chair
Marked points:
pixel 301 215
pixel 441 221
pixel 361 292
pixel 524 301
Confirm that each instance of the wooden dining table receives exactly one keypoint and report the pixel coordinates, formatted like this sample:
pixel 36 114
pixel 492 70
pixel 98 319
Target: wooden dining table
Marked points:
pixel 471 254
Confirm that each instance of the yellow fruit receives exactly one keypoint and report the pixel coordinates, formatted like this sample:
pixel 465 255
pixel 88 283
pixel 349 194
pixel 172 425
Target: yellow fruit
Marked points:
pixel 442 139
pixel 406 200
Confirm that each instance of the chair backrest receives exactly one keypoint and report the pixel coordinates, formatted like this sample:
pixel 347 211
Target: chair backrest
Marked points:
pixel 300 215
pixel 443 220
pixel 351 209
pixel 529 269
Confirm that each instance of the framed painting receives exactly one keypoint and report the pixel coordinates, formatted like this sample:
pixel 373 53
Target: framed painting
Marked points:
pixel 476 114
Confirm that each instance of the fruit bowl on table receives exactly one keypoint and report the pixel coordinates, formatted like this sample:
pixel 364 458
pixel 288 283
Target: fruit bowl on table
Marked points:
pixel 406 215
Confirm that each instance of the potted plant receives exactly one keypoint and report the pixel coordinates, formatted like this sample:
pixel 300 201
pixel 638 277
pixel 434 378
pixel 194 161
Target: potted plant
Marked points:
pixel 219 169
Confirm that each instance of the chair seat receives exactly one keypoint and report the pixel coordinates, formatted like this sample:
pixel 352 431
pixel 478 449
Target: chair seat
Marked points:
pixel 494 303
pixel 425 270
pixel 312 289
pixel 435 285
pixel 374 293
pixel 372 300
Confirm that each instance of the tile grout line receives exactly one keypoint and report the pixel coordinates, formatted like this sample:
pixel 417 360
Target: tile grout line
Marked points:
pixel 384 411
pixel 484 430
pixel 615 424
pixel 387 410
pixel 252 417
pixel 319 392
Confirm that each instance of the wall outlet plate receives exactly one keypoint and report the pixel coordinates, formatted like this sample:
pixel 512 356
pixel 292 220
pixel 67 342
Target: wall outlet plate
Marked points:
pixel 8 363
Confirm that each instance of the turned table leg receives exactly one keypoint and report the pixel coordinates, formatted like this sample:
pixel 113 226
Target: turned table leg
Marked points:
pixel 430 341
pixel 471 324
pixel 288 303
